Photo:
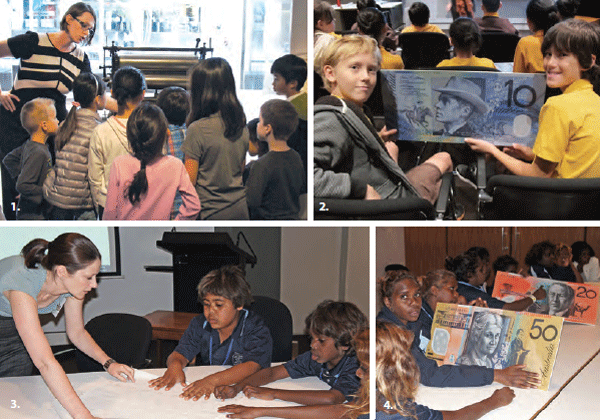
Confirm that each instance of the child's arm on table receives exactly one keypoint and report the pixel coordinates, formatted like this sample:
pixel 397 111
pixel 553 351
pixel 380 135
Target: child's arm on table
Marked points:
pixel 499 398
pixel 335 411
pixel 206 386
pixel 539 167
pixel 262 377
pixel 174 373
pixel 333 396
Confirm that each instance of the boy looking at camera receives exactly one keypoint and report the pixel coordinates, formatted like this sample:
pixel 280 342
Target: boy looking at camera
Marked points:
pixel 225 334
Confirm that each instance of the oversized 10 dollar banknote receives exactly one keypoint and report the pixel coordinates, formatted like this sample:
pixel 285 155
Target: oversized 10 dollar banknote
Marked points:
pixel 495 338
pixel 502 108
pixel 576 302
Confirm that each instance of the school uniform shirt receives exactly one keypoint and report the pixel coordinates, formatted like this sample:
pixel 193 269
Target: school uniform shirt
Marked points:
pixel 420 412
pixel 528 54
pixel 390 61
pixel 591 271
pixel 421 328
pixel 445 375
pixel 430 27
pixel 568 132
pixel 341 378
pixel 473 61
pixel 492 22
pixel 470 292
pixel 249 342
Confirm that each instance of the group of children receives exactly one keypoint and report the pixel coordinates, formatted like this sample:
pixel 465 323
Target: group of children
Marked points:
pixel 181 159
pixel 354 160
pixel 228 333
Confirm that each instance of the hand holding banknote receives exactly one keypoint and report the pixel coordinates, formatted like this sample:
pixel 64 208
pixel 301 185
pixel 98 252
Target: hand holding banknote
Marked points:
pixel 517 376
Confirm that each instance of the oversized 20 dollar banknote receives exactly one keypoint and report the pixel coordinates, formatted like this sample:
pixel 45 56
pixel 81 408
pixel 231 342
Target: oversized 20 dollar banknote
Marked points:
pixel 495 338
pixel 502 108
pixel 576 302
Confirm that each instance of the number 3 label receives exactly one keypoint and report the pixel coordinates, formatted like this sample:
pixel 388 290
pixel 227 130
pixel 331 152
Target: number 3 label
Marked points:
pixel 13 404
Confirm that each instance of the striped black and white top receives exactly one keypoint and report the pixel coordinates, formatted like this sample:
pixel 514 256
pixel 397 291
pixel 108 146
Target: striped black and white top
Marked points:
pixel 45 71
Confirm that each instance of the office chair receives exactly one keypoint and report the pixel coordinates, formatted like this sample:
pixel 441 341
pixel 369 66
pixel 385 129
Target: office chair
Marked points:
pixel 278 318
pixel 511 197
pixel 498 46
pixel 409 208
pixel 423 49
pixel 124 337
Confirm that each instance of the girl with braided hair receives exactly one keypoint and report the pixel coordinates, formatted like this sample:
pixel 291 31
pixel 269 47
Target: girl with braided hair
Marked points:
pixel 142 186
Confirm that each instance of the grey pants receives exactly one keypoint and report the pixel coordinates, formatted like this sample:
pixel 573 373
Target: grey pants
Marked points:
pixel 14 359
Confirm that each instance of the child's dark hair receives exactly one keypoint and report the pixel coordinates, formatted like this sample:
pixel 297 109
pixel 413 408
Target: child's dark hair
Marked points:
pixel 363 4
pixel 128 83
pixel 581 39
pixel 503 262
pixel 535 254
pixel 341 321
pixel 323 12
pixel 436 278
pixel 491 6
pixel 482 253
pixel 464 266
pixel 282 116
pixel 72 250
pixel 175 103
pixel 465 35
pixel 229 282
pixel 371 22
pixel 389 280
pixel 290 67
pixel 543 14
pixel 578 247
pixel 86 88
pixel 76 10
pixel 262 146
pixel 419 14
pixel 567 8
pixel 213 90
pixel 147 132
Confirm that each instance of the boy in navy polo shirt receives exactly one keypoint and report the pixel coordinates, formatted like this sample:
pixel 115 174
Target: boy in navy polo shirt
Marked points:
pixel 332 326
pixel 225 334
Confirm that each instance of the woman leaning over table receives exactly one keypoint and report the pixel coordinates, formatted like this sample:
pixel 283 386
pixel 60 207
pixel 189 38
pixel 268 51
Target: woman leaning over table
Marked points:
pixel 46 276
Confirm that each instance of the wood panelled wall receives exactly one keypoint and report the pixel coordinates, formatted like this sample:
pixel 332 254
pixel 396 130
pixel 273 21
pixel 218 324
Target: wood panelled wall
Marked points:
pixel 427 247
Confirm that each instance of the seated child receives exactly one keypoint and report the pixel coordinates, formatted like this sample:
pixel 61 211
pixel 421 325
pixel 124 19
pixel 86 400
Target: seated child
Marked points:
pixel 586 262
pixel 567 143
pixel 418 13
pixel 504 263
pixel 542 259
pixel 401 295
pixel 371 22
pixel 332 325
pixel 491 21
pixel 225 334
pixel 358 162
pixel 324 20
pixel 466 39
pixel 541 16
pixel 32 161
pixel 397 389
pixel 357 408
pixel 276 180
pixel 289 75
pixel 470 274
pixel 175 104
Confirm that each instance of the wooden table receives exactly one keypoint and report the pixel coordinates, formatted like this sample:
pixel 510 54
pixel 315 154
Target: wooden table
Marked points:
pixel 168 325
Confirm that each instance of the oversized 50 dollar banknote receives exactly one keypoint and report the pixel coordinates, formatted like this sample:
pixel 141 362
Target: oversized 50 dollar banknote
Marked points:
pixel 576 302
pixel 503 108
pixel 495 338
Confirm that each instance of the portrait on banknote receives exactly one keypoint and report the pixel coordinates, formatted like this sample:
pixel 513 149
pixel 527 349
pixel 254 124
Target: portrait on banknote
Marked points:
pixel 576 302
pixel 447 106
pixel 495 338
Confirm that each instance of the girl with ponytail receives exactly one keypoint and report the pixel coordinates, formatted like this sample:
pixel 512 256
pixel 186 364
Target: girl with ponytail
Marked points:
pixel 67 188
pixel 109 139
pixel 567 143
pixel 46 277
pixel 143 186
pixel 466 38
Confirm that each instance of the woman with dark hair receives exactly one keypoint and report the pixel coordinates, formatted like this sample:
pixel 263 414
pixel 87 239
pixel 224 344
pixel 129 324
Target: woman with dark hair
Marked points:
pixel 61 51
pixel 46 276
pixel 216 142
pixel 371 22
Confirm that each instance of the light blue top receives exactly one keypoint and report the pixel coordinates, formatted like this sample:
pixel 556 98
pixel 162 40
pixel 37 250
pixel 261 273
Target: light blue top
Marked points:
pixel 15 276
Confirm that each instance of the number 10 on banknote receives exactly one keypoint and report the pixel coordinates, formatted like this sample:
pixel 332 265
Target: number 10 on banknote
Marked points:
pixel 495 338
